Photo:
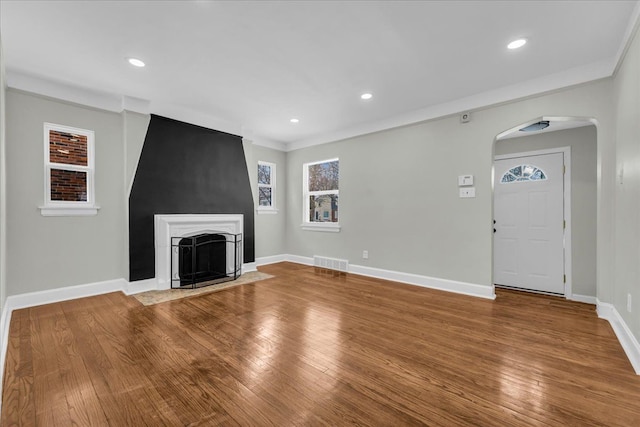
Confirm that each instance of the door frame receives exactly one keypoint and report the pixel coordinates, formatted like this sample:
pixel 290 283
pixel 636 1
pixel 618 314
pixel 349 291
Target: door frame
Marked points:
pixel 566 202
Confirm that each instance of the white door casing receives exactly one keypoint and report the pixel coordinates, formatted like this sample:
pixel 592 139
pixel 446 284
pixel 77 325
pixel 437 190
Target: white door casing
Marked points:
pixel 529 215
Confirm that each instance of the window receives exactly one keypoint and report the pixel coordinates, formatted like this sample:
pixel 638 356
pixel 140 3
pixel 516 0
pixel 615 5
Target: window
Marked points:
pixel 266 187
pixel 523 173
pixel 69 168
pixel 321 191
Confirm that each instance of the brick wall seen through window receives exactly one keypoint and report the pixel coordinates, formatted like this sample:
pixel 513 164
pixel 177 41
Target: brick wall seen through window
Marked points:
pixel 69 171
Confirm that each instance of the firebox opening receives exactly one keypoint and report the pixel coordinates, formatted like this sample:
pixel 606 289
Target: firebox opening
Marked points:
pixel 204 259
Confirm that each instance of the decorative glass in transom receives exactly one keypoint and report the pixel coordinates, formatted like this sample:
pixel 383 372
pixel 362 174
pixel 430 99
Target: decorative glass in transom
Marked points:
pixel 523 173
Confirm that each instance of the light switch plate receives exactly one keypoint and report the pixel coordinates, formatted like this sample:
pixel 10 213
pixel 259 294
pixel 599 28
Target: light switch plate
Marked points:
pixel 467 192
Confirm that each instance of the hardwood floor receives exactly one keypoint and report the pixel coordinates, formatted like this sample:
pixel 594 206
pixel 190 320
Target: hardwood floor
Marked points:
pixel 311 347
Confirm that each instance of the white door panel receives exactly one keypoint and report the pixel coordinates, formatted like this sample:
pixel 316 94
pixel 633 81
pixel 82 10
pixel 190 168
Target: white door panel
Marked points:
pixel 510 261
pixel 529 215
pixel 538 210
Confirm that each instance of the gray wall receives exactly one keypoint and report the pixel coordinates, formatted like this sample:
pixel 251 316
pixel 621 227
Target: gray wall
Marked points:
pixel 399 201
pixel 52 252
pixel 135 130
pixel 583 195
pixel 399 194
pixel 627 190
pixel 3 204
pixel 269 228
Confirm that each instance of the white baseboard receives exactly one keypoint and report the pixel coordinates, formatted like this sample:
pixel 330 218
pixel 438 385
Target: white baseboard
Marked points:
pixel 299 259
pixel 49 296
pixel 265 260
pixel 248 267
pixel 131 288
pixel 583 298
pixel 472 289
pixel 628 342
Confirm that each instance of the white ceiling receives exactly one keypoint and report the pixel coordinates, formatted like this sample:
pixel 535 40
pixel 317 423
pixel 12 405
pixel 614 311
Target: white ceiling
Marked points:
pixel 249 67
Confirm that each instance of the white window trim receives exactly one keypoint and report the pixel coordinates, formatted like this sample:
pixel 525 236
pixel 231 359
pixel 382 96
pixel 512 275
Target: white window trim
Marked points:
pixel 268 209
pixel 60 208
pixel 330 227
pixel 68 210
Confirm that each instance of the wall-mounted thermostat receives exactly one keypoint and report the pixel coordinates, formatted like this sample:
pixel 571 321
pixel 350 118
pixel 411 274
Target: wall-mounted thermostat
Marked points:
pixel 465 180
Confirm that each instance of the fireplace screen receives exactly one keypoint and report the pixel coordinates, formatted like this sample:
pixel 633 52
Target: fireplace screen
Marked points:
pixel 205 259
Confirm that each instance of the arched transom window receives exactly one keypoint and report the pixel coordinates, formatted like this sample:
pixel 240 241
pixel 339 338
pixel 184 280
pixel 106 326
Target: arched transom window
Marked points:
pixel 523 173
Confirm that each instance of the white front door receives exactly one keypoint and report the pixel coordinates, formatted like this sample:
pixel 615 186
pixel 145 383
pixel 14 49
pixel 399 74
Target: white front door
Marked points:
pixel 529 223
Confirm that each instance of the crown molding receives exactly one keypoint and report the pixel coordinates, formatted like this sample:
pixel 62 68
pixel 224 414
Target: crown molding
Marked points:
pixel 118 103
pixel 632 28
pixel 64 91
pixel 199 118
pixel 268 143
pixel 553 82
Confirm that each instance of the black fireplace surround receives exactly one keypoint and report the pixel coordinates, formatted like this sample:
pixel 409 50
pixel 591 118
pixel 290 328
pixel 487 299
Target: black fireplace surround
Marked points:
pixel 186 169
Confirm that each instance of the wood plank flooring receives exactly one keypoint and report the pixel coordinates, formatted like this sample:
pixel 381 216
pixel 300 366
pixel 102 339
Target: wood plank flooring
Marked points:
pixel 312 347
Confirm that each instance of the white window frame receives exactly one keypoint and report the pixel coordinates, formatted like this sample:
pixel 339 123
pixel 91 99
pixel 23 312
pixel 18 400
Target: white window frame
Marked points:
pixel 69 208
pixel 268 209
pixel 316 226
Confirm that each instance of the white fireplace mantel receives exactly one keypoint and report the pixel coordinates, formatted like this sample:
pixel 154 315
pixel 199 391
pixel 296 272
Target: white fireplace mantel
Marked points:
pixel 186 225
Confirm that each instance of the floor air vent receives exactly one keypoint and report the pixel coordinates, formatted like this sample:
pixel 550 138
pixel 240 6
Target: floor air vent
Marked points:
pixel 331 263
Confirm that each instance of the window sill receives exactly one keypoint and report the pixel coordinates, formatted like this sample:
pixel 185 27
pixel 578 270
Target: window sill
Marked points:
pixel 327 227
pixel 69 210
pixel 270 211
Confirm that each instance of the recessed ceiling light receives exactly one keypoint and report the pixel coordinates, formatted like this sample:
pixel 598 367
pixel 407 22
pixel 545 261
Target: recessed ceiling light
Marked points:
pixel 517 44
pixel 366 96
pixel 294 120
pixel 136 62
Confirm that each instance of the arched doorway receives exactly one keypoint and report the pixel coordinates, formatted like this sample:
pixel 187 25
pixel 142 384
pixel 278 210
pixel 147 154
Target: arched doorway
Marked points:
pixel 575 141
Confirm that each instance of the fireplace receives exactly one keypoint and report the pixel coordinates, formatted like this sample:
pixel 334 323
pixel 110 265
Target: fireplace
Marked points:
pixel 202 260
pixel 171 229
